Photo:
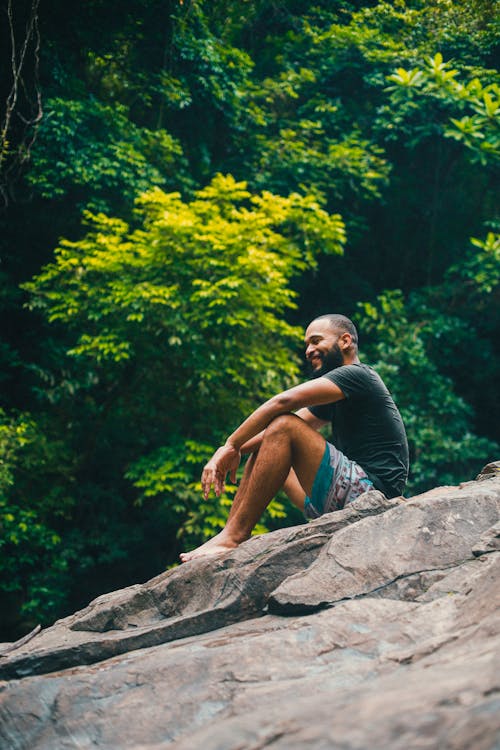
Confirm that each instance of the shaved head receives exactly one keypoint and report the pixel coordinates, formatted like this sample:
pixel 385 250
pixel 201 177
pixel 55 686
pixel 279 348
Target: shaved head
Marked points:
pixel 342 324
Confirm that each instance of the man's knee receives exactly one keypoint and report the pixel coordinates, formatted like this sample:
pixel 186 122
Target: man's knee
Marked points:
pixel 285 424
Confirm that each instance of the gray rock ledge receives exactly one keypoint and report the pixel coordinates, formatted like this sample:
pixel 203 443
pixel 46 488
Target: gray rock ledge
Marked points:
pixel 398 649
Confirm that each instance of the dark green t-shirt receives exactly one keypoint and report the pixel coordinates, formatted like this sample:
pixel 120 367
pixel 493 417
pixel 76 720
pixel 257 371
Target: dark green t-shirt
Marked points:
pixel 367 426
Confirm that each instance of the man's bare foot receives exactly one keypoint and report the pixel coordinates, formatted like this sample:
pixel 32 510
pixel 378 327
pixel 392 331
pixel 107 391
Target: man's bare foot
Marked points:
pixel 216 546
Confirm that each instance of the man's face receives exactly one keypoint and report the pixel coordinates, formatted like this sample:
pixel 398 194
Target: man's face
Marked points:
pixel 322 350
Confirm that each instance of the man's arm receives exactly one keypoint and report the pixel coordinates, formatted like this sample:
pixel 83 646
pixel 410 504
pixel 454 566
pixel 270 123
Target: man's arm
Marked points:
pixel 253 445
pixel 311 393
pixel 227 458
pixel 309 417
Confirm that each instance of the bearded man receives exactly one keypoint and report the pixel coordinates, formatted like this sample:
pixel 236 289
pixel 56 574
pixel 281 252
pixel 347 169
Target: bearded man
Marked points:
pixel 368 448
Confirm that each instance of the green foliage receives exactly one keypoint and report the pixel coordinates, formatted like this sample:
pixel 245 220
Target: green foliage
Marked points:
pixel 171 475
pixel 465 305
pixel 479 104
pixel 29 548
pixel 175 308
pixel 198 283
pixel 93 152
pixel 480 271
pixel 299 143
pixel 194 299
pixel 14 435
pixel 443 447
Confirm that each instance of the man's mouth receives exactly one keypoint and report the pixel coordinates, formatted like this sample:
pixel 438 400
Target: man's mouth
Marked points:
pixel 315 361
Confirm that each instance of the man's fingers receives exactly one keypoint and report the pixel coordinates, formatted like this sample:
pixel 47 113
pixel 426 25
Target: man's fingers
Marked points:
pixel 207 479
pixel 219 483
pixel 212 477
pixel 215 471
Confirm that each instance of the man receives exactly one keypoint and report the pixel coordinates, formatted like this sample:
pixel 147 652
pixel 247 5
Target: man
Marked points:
pixel 368 450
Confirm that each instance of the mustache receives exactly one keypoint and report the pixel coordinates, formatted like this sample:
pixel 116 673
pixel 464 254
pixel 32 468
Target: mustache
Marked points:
pixel 329 361
pixel 318 371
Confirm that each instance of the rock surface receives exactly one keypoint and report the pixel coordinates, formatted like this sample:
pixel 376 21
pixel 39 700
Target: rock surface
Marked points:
pixel 374 627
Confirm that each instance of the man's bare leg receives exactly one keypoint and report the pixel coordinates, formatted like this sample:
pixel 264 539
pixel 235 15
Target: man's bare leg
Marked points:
pixel 242 489
pixel 291 486
pixel 294 490
pixel 288 443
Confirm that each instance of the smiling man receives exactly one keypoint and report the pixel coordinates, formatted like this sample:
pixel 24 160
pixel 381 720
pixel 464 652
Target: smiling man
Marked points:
pixel 368 448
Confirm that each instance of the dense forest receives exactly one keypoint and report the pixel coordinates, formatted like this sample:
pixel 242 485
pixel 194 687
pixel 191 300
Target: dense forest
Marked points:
pixel 184 184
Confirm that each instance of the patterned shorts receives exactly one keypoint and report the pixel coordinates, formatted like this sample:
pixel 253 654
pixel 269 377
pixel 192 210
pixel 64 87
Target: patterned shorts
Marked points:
pixel 338 482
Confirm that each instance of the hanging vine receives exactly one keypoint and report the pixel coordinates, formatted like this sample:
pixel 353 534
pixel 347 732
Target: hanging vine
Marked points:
pixel 23 104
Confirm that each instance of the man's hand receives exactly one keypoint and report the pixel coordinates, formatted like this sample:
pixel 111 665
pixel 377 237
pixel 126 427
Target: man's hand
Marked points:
pixel 225 459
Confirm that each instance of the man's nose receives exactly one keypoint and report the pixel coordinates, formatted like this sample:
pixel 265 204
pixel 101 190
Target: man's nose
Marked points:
pixel 309 351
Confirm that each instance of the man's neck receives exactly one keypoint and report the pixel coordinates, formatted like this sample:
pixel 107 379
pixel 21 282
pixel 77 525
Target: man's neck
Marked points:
pixel 352 359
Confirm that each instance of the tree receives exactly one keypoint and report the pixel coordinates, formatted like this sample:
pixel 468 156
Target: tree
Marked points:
pixel 33 569
pixel 402 342
pixel 178 313
pixel 177 330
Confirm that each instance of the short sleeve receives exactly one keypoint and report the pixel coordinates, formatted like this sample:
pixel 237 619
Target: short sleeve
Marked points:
pixel 353 380
pixel 322 411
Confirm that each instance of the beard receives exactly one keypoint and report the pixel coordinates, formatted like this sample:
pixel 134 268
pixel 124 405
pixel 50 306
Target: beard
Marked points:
pixel 329 361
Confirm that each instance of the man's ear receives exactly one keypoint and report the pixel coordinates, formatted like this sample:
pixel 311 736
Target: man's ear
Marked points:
pixel 346 340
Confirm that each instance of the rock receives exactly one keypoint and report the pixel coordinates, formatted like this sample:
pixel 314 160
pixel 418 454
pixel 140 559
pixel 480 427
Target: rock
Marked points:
pixel 6 647
pixel 489 541
pixel 399 647
pixel 196 597
pixel 421 537
pixel 489 471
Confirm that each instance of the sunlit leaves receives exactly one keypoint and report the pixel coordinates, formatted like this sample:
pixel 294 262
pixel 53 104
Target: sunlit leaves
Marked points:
pixel 14 435
pixel 225 258
pixel 193 301
pixel 478 128
pixel 405 78
pixel 480 270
